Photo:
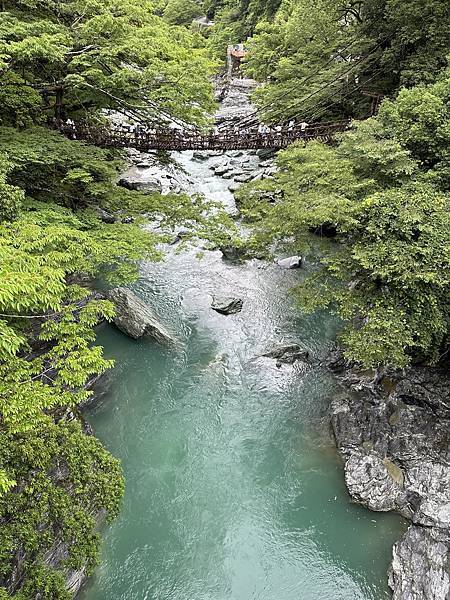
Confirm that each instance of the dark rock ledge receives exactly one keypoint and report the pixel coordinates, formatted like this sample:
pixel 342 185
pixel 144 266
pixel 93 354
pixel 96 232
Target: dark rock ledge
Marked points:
pixel 393 434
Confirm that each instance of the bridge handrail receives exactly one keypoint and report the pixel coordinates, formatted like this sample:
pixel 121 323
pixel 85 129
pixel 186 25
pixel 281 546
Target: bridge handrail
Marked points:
pixel 121 135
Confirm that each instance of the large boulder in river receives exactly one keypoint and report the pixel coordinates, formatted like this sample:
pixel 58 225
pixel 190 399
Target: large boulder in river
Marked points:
pixel 140 186
pixel 395 456
pixel 291 262
pixel 222 168
pixel 227 305
pixel 135 318
pixel 287 354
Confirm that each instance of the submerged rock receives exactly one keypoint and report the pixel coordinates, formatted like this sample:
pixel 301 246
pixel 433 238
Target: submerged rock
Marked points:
pixel 419 568
pixel 227 305
pixel 287 354
pixel 135 318
pixel 292 262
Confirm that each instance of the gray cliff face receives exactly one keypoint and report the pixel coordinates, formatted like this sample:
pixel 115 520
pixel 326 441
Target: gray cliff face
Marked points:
pixel 135 318
pixel 395 446
pixel 227 305
pixel 420 566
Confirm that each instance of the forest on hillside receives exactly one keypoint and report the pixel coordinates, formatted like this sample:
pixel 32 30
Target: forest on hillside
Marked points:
pixel 373 207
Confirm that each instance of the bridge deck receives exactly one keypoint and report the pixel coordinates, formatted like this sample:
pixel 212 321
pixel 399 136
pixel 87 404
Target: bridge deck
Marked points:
pixel 145 140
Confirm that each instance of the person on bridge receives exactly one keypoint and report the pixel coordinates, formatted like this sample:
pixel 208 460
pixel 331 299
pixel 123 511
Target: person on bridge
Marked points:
pixel 303 126
pixel 262 129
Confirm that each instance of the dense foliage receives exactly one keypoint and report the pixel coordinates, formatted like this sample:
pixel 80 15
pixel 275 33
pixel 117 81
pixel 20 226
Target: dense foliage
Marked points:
pixel 181 12
pixel 382 195
pixel 317 58
pixel 72 58
pixel 61 60
pixel 236 20
pixel 68 484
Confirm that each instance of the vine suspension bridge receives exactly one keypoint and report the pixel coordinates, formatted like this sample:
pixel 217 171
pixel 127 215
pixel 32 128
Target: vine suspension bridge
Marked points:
pixel 142 139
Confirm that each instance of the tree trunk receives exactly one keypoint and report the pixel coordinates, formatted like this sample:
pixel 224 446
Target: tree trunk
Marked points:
pixel 59 105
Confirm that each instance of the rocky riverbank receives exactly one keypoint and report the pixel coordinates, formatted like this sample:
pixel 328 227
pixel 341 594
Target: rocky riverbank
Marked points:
pixel 149 173
pixel 393 434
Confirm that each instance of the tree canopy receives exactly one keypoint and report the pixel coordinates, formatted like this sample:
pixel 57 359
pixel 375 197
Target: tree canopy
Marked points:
pixel 73 58
pixel 382 197
pixel 317 59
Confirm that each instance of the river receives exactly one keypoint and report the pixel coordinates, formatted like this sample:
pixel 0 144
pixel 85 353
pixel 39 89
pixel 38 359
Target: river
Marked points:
pixel 233 487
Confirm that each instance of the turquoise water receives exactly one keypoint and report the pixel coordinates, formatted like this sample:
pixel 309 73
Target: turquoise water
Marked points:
pixel 233 487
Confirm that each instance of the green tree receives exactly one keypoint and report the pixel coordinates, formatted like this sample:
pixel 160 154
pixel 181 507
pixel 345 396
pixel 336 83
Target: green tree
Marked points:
pixel 77 57
pixel 316 59
pixel 384 202
pixel 181 12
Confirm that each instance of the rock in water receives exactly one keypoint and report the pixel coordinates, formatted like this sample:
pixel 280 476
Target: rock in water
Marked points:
pixel 287 354
pixel 227 305
pixel 292 262
pixel 222 168
pixel 200 156
pixel 244 177
pixel 419 568
pixel 266 153
pixel 135 318
pixel 231 252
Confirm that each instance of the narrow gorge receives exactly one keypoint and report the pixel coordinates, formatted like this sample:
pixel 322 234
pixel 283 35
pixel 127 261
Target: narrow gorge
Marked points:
pixel 224 300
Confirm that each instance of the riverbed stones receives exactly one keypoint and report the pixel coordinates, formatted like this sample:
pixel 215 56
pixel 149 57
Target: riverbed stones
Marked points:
pixel 266 153
pixel 227 305
pixel 287 354
pixel 200 156
pixel 135 318
pixel 234 173
pixel 142 185
pixel 291 262
pixel 244 177
pixel 221 169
